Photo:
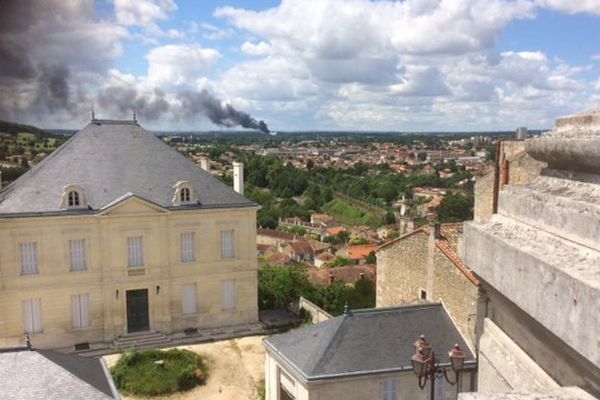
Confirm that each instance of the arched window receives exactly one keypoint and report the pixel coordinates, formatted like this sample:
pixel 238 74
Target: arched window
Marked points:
pixel 73 199
pixel 184 195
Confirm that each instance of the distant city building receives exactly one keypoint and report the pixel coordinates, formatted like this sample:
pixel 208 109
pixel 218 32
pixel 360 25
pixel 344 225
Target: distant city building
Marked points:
pixel 116 233
pixel 521 133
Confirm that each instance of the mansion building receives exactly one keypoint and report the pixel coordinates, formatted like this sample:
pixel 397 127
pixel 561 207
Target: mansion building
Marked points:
pixel 116 233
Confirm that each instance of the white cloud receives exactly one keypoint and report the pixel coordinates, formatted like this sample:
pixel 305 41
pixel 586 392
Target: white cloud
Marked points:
pixel 180 64
pixel 572 6
pixel 256 49
pixel 212 32
pixel 143 13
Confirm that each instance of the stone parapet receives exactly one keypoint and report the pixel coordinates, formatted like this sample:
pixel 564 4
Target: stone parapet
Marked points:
pixel 565 393
pixel 555 281
pixel 574 143
pixel 564 207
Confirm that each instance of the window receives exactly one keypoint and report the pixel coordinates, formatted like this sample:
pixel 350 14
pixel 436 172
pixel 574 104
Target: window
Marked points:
pixel 184 195
pixel 29 258
pixel 188 299
pixel 32 315
pixel 228 300
pixel 188 247
pixel 135 251
pixel 423 294
pixel 389 389
pixel 77 253
pixel 80 306
pixel 73 199
pixel 227 244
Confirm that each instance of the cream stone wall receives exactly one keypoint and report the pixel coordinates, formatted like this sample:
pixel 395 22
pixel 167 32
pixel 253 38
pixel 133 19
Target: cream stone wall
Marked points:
pixel 106 279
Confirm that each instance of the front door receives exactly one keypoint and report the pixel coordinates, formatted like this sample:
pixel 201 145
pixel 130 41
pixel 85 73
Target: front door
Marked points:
pixel 137 310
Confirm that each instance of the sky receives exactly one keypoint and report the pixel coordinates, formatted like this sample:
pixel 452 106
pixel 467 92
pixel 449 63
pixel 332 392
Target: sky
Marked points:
pixel 412 65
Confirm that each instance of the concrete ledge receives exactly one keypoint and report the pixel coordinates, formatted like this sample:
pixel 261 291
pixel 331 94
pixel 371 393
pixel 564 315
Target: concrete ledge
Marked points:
pixel 566 393
pixel 553 280
pixel 580 154
pixel 503 364
pixel 562 207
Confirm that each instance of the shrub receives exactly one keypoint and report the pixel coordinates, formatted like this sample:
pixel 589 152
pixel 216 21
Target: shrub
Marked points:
pixel 137 373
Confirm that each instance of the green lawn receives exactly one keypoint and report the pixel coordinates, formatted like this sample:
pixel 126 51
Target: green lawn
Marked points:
pixel 349 214
pixel 156 372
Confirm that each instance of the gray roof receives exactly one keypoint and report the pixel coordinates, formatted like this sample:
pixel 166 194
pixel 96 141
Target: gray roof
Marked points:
pixel 109 159
pixel 44 374
pixel 367 341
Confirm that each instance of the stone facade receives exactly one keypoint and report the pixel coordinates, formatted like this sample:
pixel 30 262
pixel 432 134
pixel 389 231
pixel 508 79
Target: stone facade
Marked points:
pixel 106 279
pixel 417 267
pixel 537 259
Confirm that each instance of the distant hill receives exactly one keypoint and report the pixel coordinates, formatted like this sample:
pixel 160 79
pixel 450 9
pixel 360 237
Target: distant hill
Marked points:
pixel 14 128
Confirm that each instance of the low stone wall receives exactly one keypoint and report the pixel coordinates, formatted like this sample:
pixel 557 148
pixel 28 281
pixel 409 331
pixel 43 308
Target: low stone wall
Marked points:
pixel 317 313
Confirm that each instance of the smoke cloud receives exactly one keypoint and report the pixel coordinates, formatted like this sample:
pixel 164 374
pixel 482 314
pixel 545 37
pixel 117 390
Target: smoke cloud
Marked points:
pixel 218 112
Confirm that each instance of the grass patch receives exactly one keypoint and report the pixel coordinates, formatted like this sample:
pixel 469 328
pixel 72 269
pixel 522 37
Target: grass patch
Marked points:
pixel 349 214
pixel 138 373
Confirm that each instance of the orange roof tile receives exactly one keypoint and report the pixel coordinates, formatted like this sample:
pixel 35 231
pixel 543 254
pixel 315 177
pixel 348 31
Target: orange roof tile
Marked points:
pixel 358 252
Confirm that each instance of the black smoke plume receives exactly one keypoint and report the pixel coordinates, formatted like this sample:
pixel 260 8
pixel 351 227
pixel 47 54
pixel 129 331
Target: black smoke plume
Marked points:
pixel 219 113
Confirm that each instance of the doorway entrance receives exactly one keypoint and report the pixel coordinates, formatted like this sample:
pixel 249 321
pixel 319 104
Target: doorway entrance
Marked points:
pixel 137 311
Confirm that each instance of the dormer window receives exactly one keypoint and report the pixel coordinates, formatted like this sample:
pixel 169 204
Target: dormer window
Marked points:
pixel 73 197
pixel 184 194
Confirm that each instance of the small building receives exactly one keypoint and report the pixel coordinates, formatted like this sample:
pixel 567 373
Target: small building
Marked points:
pixel 299 251
pixel 348 274
pixel 45 374
pixel 363 354
pixel 424 266
pixel 360 252
pixel 323 259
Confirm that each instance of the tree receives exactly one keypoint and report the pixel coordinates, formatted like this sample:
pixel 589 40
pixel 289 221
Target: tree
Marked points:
pixel 422 156
pixel 455 208
pixel 371 258
pixel 279 285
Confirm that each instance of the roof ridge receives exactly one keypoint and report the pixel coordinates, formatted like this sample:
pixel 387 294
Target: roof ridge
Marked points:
pixel 320 359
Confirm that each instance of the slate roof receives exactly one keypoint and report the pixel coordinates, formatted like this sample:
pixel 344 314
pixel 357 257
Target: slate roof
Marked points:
pixel 49 375
pixel 109 159
pixel 367 341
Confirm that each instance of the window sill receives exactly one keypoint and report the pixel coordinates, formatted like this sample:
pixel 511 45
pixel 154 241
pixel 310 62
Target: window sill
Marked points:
pixel 30 274
pixel 196 314
pixel 78 270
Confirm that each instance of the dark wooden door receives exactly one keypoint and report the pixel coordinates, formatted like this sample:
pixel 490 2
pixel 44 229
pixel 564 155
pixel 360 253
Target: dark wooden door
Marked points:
pixel 137 310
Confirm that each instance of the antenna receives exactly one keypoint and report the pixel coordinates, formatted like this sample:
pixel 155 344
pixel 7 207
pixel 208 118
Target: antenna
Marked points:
pixel 134 116
pixel 93 113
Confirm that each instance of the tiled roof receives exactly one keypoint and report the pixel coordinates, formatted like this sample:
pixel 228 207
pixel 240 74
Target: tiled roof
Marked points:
pixel 361 251
pixel 367 341
pixel 109 159
pixel 276 234
pixel 334 230
pixel 345 274
pixel 278 258
pixel 301 247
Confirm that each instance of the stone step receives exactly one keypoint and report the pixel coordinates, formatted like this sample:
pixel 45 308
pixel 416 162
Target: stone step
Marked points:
pixel 566 208
pixel 139 340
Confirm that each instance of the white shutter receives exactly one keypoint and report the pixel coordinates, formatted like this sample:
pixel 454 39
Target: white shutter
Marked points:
pixel 32 315
pixel 228 300
pixel 29 258
pixel 78 255
pixel 135 250
pixel 188 299
pixel 80 306
pixel 227 244
pixel 188 247
pixel 389 389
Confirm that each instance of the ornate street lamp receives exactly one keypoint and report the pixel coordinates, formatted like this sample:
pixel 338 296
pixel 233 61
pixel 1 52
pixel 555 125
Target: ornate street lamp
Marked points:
pixel 426 367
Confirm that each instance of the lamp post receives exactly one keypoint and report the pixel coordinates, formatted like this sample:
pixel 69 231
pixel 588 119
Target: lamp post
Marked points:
pixel 427 367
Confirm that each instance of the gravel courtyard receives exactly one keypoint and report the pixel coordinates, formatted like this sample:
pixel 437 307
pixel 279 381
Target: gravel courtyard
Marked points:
pixel 235 369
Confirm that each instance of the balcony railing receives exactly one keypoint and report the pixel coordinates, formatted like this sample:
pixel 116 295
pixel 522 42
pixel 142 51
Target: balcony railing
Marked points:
pixel 137 271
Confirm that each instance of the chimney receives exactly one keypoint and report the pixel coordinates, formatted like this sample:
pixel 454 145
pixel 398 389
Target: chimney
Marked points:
pixel 0 181
pixel 331 278
pixel 436 230
pixel 205 164
pixel 238 177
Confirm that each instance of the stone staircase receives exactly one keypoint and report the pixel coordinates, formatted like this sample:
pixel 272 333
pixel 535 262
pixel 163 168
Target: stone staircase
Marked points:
pixel 142 340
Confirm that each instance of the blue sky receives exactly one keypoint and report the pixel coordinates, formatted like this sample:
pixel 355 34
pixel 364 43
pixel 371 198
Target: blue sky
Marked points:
pixel 413 65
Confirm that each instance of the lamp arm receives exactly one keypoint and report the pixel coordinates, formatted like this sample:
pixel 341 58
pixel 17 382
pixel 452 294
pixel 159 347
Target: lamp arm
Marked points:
pixel 423 380
pixel 451 382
